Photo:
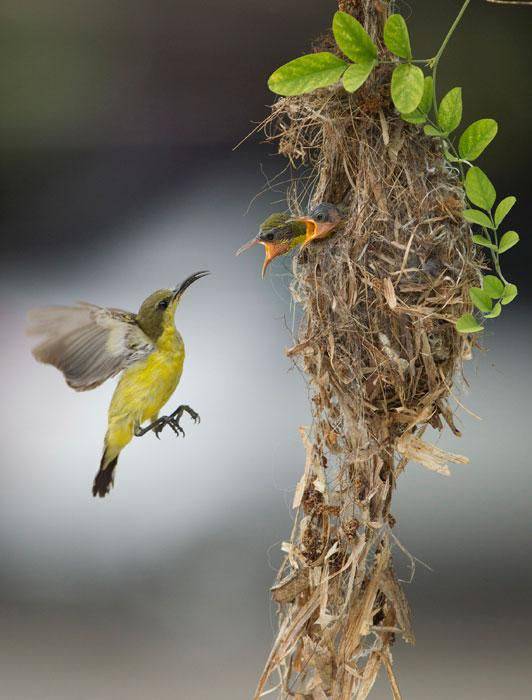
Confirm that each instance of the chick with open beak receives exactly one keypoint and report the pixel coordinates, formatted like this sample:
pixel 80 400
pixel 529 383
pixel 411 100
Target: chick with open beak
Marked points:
pixel 278 234
pixel 320 222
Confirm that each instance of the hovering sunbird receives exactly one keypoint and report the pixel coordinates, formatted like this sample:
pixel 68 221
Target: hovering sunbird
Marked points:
pixel 90 344
pixel 320 222
pixel 278 234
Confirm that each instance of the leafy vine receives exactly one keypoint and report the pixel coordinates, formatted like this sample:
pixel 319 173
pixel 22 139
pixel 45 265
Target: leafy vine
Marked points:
pixel 414 95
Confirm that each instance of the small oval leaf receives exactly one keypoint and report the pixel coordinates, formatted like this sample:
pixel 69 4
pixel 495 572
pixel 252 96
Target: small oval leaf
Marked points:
pixel 426 100
pixel 356 75
pixel 353 39
pixel 476 137
pixel 414 117
pixel 480 299
pixel 474 216
pixel 450 110
pixel 307 73
pixel 419 115
pixel 479 189
pixel 508 241
pixel 407 87
pixel 492 286
pixel 496 311
pixel 449 156
pixel 467 323
pixel 503 207
pixel 432 131
pixel 396 36
pixel 480 240
pixel 509 294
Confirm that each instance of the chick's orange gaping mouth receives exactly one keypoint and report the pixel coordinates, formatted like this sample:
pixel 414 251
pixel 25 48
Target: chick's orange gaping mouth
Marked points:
pixel 271 250
pixel 315 230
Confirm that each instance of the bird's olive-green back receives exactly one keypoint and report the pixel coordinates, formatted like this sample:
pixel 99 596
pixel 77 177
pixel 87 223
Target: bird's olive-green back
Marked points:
pixel 282 229
pixel 152 312
pixel 274 220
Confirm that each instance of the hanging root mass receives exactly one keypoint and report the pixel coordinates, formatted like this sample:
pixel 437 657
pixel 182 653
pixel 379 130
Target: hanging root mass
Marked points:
pixel 378 345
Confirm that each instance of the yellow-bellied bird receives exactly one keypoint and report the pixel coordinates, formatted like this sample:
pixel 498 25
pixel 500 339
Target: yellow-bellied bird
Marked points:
pixel 278 234
pixel 320 222
pixel 89 344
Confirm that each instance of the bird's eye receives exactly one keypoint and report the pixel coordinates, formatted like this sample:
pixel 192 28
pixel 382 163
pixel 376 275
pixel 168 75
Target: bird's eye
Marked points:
pixel 269 237
pixel 163 304
pixel 319 217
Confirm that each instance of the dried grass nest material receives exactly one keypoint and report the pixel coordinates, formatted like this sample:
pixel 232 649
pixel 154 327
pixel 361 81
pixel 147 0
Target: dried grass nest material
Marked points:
pixel 378 345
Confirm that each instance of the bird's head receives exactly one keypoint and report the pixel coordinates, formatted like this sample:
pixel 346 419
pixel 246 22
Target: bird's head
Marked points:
pixel 278 234
pixel 320 222
pixel 157 311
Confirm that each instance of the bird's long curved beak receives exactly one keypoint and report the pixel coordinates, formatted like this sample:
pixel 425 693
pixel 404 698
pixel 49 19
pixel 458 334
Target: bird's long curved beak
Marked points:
pixel 247 245
pixel 179 290
pixel 315 229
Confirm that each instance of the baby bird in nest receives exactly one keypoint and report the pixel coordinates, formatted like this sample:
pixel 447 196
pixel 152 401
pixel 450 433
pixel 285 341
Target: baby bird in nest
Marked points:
pixel 279 233
pixel 320 223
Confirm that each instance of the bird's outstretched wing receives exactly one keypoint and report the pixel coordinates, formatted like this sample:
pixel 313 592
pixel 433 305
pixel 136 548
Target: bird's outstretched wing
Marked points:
pixel 87 343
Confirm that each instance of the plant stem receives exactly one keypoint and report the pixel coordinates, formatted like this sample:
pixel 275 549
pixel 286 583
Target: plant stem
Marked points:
pixel 495 253
pixel 436 59
pixel 425 61
pixel 497 266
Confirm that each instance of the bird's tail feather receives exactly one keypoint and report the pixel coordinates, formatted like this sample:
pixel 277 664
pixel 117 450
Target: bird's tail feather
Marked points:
pixel 104 479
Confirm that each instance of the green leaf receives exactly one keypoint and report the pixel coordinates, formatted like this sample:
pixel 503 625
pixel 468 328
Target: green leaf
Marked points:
pixel 479 189
pixel 480 299
pixel 508 241
pixel 467 323
pixel 496 311
pixel 503 207
pixel 474 216
pixel 356 75
pixel 307 73
pixel 353 39
pixel 426 101
pixel 492 286
pixel 450 110
pixel 476 137
pixel 407 87
pixel 480 240
pixel 509 294
pixel 449 156
pixel 396 36
pixel 414 117
pixel 419 115
pixel 432 131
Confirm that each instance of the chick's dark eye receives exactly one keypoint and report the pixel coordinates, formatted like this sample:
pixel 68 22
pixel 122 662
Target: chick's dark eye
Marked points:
pixel 269 236
pixel 319 217
pixel 163 304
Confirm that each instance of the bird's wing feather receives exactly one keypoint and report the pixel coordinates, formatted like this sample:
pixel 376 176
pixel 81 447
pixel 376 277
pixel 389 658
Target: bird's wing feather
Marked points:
pixel 87 343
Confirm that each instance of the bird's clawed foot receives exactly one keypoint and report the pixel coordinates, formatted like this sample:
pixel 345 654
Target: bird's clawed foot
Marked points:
pixel 173 420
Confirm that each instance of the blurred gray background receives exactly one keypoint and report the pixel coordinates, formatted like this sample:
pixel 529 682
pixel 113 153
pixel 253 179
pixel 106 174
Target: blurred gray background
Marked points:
pixel 118 122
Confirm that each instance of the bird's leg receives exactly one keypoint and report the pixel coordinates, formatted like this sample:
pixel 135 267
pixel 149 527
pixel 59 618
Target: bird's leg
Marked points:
pixel 158 425
pixel 172 420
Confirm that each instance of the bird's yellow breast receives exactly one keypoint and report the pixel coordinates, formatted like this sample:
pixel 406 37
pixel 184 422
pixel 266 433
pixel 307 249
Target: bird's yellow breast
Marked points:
pixel 147 385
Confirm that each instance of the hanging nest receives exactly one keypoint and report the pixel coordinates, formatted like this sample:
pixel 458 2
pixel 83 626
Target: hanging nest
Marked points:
pixel 378 345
